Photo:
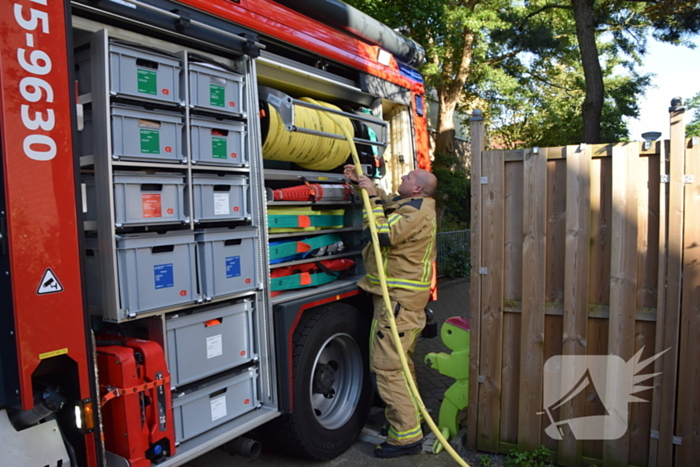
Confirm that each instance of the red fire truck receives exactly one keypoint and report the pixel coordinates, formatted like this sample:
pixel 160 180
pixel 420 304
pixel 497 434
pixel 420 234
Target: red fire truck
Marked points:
pixel 179 248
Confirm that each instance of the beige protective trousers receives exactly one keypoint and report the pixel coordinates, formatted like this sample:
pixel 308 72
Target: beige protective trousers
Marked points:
pixel 401 410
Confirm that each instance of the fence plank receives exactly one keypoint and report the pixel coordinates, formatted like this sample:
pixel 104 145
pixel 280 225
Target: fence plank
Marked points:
pixel 660 301
pixel 601 212
pixel 673 289
pixel 534 274
pixel 477 147
pixel 575 321
pixel 640 413
pixel 512 291
pixel 623 287
pixel 597 345
pixel 492 301
pixel 648 231
pixel 688 404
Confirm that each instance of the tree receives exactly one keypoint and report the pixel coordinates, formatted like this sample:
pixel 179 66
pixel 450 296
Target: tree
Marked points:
pixel 693 128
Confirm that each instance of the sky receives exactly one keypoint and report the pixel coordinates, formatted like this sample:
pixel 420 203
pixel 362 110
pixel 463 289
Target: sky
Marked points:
pixel 677 71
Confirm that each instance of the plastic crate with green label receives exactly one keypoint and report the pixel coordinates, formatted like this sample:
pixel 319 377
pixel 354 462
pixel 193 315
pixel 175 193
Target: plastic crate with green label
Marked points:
pixel 146 135
pixel 218 142
pixel 222 197
pixel 135 72
pixel 215 87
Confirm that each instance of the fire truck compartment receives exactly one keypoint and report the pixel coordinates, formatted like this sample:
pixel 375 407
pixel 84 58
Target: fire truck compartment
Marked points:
pixel 226 260
pixel 142 198
pixel 219 197
pixel 135 72
pixel 204 343
pixel 214 404
pixel 218 142
pixel 215 89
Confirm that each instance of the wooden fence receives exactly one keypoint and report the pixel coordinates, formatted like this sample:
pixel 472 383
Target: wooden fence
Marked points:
pixel 586 250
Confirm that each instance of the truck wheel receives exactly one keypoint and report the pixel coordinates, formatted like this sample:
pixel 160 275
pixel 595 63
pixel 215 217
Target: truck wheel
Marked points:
pixel 332 388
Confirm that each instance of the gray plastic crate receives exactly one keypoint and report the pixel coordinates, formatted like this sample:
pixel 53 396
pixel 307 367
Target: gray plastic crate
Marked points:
pixel 139 134
pixel 218 142
pixel 156 271
pixel 204 343
pixel 135 72
pixel 214 405
pixel 220 197
pixel 226 261
pixel 141 198
pixel 216 89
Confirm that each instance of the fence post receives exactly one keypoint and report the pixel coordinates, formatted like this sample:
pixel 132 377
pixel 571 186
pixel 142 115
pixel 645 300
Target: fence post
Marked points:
pixel 673 286
pixel 476 132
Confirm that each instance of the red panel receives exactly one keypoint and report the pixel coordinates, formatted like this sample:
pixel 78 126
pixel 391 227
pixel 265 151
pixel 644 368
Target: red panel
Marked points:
pixel 275 20
pixel 40 190
pixel 420 123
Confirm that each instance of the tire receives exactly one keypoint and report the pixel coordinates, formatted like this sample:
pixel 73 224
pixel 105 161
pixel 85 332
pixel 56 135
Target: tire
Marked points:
pixel 332 388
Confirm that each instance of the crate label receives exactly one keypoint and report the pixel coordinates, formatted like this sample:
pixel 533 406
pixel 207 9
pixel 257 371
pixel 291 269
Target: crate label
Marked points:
pixel 150 205
pixel 218 148
pixel 163 275
pixel 218 407
pixel 150 141
pixel 221 203
pixel 215 346
pixel 217 95
pixel 233 267
pixel 147 81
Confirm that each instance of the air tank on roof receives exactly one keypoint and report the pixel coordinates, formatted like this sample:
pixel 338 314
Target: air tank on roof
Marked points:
pixel 341 15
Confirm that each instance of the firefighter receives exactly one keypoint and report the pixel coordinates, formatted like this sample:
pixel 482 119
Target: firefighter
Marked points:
pixel 406 229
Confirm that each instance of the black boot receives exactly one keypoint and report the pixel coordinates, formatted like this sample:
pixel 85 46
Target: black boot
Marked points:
pixel 386 450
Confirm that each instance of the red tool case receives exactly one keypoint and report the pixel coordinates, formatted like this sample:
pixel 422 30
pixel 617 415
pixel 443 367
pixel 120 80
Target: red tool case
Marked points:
pixel 137 403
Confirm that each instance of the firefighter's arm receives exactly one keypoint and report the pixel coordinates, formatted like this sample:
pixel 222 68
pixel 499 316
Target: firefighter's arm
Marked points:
pixel 398 226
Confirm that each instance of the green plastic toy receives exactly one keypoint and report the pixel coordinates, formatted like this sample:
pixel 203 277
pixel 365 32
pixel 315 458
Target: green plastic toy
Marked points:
pixel 455 333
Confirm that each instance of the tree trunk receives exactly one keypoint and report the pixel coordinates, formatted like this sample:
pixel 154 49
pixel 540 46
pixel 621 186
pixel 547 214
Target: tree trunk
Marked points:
pixel 595 90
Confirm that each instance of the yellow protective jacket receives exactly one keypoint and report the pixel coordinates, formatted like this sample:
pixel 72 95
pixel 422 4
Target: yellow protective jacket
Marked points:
pixel 406 230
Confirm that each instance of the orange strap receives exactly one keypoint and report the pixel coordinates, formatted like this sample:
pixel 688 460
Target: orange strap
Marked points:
pixel 117 392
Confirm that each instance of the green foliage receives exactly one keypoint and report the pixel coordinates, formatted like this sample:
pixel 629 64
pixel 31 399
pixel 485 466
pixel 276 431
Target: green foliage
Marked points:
pixel 453 195
pixel 693 128
pixel 541 457
pixel 457 259
pixel 485 460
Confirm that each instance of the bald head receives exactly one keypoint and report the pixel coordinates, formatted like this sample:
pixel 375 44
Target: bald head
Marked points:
pixel 427 180
pixel 418 183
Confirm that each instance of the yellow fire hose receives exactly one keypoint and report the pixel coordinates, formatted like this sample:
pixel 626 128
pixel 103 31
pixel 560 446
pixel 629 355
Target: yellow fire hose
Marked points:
pixel 387 301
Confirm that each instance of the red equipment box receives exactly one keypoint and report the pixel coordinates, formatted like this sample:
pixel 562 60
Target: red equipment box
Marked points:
pixel 136 400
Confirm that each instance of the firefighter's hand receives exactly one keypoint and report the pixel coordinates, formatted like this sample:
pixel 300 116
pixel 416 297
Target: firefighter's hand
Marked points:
pixel 350 173
pixel 367 184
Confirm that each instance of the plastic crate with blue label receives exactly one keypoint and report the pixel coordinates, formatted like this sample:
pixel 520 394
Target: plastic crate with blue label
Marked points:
pixel 227 261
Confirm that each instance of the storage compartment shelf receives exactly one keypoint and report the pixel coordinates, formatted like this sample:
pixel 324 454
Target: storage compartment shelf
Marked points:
pixel 348 282
pixel 315 259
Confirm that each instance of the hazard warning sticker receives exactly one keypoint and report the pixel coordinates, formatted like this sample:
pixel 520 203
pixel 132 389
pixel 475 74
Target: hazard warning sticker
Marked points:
pixel 49 283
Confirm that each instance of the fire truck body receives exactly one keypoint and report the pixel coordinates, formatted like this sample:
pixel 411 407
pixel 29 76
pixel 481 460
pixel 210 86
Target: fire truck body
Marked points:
pixel 158 299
